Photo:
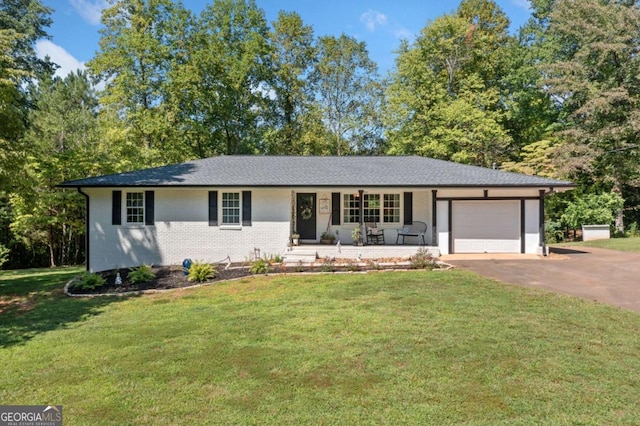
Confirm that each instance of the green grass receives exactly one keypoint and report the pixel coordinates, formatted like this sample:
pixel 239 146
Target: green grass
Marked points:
pixel 622 244
pixel 383 348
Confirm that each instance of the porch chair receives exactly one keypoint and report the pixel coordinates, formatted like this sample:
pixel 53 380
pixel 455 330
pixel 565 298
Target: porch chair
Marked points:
pixel 374 235
pixel 416 229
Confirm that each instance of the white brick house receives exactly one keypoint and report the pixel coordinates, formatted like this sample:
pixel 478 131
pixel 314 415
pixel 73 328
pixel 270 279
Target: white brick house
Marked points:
pixel 227 206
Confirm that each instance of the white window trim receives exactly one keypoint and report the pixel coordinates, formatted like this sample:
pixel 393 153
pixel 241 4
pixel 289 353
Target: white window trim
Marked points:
pixel 126 222
pixel 382 223
pixel 230 226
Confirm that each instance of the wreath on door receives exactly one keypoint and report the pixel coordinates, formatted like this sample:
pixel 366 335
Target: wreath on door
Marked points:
pixel 306 213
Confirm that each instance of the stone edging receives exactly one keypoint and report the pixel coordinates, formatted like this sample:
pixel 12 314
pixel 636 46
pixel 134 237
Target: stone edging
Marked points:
pixel 66 291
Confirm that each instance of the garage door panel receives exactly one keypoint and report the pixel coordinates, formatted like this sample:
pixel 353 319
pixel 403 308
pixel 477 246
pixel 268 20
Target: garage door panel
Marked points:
pixel 486 227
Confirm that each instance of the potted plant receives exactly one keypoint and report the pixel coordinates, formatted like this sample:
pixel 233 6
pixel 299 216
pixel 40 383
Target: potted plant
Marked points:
pixel 327 238
pixel 295 238
pixel 356 236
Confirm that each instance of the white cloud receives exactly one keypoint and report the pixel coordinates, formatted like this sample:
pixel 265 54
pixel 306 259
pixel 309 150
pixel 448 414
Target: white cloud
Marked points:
pixel 372 18
pixel 525 4
pixel 90 10
pixel 402 33
pixel 59 56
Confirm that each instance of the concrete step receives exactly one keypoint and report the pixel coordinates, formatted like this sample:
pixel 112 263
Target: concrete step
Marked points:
pixel 297 256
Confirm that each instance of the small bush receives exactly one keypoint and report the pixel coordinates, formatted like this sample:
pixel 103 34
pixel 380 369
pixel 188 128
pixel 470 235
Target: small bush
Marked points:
pixel 273 258
pixel 260 266
pixel 4 255
pixel 142 274
pixel 300 266
pixel 375 265
pixel 422 260
pixel 329 265
pixel 632 231
pixel 353 267
pixel 89 281
pixel 553 232
pixel 201 272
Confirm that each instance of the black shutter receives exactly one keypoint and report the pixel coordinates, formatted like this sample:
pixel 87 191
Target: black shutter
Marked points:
pixel 149 208
pixel 246 208
pixel 335 208
pixel 116 208
pixel 408 208
pixel 213 208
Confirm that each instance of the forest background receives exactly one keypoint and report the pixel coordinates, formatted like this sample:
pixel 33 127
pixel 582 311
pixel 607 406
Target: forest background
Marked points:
pixel 559 98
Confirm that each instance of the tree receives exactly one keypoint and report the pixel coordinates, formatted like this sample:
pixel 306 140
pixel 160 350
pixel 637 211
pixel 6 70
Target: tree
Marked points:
pixel 445 98
pixel 62 146
pixel 293 54
pixel 22 22
pixel 347 86
pixel 594 77
pixel 223 85
pixel 592 209
pixel 139 44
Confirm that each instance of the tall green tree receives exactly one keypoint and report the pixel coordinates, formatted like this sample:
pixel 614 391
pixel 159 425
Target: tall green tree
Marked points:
pixel 62 145
pixel 22 23
pixel 594 76
pixel 293 54
pixel 445 99
pixel 140 42
pixel 223 85
pixel 350 93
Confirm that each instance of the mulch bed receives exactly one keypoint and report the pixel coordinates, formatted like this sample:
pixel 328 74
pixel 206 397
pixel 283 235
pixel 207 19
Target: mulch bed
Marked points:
pixel 172 277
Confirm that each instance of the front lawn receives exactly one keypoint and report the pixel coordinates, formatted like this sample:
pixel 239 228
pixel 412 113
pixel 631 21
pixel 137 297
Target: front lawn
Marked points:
pixel 383 348
pixel 623 244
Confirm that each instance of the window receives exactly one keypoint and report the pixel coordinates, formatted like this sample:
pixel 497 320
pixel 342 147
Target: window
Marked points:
pixel 379 208
pixel 371 208
pixel 351 211
pixel 231 208
pixel 135 207
pixel 391 208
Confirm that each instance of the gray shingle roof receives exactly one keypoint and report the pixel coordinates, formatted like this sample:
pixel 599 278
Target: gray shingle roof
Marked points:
pixel 287 171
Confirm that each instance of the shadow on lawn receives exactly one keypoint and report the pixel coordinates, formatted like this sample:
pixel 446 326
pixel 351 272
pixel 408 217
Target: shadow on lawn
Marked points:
pixel 32 302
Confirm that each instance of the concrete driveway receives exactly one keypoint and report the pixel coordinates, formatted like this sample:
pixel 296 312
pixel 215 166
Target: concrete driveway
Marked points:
pixel 608 276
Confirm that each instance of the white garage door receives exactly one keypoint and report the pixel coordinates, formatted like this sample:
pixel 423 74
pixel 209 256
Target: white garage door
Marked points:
pixel 486 226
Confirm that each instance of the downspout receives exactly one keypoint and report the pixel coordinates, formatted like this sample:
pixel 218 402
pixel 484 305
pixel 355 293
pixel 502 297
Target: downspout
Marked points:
pixel 86 228
pixel 541 229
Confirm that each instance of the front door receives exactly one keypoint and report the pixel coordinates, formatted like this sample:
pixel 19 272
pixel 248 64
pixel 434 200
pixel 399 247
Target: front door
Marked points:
pixel 306 216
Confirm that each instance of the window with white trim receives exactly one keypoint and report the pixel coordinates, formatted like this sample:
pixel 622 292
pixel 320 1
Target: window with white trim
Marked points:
pixel 391 212
pixel 135 208
pixel 231 208
pixel 351 210
pixel 378 208
pixel 371 208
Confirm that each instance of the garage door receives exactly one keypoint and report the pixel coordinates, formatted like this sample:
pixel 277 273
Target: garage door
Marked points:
pixel 486 226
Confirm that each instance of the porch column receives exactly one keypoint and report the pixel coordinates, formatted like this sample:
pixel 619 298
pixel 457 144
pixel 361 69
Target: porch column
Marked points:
pixel 541 216
pixel 361 211
pixel 434 217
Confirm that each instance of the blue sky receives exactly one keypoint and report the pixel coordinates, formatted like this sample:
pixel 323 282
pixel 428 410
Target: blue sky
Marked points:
pixel 381 24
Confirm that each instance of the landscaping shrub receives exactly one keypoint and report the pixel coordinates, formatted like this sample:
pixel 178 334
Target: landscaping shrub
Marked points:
pixel 4 255
pixel 353 267
pixel 142 274
pixel 422 260
pixel 89 281
pixel 329 265
pixel 260 266
pixel 201 272
pixel 553 232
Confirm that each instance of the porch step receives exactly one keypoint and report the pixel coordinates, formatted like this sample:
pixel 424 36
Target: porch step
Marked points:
pixel 297 256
